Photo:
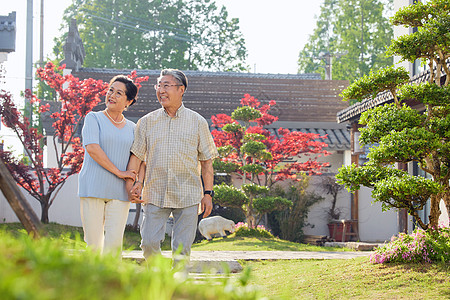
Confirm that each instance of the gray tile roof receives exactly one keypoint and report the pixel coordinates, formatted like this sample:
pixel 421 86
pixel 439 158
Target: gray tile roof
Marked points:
pixel 211 93
pixel 8 23
pixel 8 33
pixel 337 135
pixel 112 72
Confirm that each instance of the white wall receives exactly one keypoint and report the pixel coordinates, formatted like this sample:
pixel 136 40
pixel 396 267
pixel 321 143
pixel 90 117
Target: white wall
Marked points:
pixel 317 215
pixel 374 224
pixel 65 209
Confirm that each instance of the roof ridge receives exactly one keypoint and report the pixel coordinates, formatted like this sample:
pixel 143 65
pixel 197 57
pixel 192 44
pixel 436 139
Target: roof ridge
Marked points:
pixel 307 76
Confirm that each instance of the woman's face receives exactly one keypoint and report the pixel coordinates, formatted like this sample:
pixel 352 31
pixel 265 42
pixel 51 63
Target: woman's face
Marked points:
pixel 116 98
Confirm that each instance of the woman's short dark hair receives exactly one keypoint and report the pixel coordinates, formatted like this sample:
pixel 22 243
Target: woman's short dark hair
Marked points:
pixel 131 88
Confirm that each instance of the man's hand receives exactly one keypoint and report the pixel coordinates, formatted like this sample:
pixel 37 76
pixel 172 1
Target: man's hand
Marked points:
pixel 206 205
pixel 134 194
pixel 134 186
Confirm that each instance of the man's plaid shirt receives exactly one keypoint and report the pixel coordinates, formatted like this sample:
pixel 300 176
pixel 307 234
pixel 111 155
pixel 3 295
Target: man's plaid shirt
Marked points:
pixel 173 149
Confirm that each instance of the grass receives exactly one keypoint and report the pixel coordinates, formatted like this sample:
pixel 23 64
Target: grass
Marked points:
pixel 132 240
pixel 233 243
pixel 312 279
pixel 43 269
pixel 349 279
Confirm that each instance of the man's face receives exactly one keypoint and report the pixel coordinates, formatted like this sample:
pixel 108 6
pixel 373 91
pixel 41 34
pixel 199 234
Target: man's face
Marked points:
pixel 169 92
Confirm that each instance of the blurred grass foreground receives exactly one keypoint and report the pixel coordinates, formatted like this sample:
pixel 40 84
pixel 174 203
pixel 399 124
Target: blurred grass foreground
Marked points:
pixel 61 268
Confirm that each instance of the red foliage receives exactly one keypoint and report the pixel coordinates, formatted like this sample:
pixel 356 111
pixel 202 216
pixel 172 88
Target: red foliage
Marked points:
pixel 77 97
pixel 221 120
pixel 285 146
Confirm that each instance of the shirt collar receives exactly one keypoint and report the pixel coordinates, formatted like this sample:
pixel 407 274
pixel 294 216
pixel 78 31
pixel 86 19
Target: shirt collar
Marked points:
pixel 178 113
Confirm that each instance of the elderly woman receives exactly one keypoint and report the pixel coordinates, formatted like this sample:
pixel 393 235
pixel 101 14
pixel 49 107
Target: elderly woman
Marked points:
pixel 107 138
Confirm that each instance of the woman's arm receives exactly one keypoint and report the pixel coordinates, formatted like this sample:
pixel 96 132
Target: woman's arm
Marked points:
pixel 136 190
pixel 100 157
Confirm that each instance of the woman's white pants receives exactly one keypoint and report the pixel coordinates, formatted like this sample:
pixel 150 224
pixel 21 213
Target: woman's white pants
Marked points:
pixel 104 222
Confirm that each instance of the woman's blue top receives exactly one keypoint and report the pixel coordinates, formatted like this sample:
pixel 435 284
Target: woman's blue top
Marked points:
pixel 94 180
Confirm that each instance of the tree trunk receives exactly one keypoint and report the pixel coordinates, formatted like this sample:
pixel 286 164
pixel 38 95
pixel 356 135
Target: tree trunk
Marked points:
pixel 435 212
pixel 251 222
pixel 18 203
pixel 249 215
pixel 44 214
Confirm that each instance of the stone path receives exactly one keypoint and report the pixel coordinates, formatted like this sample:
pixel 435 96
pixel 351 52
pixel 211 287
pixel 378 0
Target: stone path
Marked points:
pixel 257 255
pixel 215 259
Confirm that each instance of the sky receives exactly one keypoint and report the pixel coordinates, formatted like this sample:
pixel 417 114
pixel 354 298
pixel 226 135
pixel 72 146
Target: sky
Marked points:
pixel 274 30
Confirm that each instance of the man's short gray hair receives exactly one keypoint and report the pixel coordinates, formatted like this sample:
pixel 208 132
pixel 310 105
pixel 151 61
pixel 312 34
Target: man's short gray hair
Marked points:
pixel 177 74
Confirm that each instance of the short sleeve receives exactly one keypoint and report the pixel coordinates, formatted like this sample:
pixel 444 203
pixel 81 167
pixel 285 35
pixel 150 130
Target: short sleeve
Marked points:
pixel 139 147
pixel 91 130
pixel 206 147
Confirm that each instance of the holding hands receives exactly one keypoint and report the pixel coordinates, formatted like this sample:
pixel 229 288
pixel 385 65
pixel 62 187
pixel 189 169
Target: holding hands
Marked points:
pixel 134 194
pixel 135 185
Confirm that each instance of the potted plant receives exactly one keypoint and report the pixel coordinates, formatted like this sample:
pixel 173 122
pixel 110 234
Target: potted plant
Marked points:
pixel 335 225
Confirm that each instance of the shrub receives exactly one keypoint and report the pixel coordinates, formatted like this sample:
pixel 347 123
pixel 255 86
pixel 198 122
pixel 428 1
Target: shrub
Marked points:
pixel 420 246
pixel 230 213
pixel 288 224
pixel 45 269
pixel 242 229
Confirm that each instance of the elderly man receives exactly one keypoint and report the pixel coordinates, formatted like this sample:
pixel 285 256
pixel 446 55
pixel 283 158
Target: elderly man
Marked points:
pixel 176 146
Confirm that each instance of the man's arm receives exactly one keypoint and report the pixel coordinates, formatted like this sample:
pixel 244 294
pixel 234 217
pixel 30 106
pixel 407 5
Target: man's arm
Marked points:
pixel 134 189
pixel 208 183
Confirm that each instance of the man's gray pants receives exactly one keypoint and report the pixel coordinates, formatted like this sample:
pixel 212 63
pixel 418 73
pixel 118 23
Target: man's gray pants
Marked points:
pixel 153 228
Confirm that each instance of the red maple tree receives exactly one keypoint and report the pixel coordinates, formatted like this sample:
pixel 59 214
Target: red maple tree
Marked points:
pixel 285 146
pixel 77 97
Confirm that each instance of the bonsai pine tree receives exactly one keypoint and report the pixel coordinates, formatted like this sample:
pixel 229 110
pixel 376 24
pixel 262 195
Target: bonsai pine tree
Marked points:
pixel 401 134
pixel 77 97
pixel 259 157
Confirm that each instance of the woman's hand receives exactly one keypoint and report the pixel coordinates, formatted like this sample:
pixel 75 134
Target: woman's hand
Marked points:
pixel 130 174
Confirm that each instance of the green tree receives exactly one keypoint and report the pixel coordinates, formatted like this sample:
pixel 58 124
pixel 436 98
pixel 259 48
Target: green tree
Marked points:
pixel 253 199
pixel 354 33
pixel 400 134
pixel 134 34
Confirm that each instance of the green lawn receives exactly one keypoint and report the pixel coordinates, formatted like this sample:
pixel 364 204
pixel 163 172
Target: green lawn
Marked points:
pixel 349 279
pixel 132 240
pixel 233 243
